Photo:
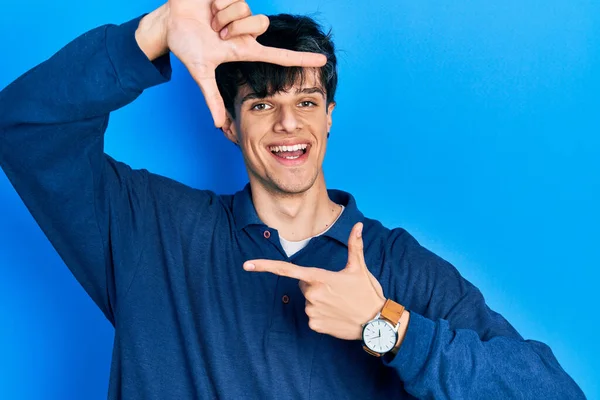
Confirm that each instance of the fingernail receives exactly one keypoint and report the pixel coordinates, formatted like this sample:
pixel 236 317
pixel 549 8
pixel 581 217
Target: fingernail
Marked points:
pixel 214 24
pixel 359 231
pixel 249 266
pixel 224 33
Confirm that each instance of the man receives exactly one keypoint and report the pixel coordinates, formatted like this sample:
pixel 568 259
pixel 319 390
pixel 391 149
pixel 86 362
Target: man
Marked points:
pixel 329 304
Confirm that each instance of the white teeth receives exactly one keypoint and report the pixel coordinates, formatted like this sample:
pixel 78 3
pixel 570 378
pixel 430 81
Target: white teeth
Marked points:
pixel 296 147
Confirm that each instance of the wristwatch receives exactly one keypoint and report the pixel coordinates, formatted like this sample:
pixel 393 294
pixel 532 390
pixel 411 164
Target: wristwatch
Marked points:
pixel 380 334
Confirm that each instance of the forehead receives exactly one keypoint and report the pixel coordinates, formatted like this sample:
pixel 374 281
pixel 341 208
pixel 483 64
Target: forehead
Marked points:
pixel 309 79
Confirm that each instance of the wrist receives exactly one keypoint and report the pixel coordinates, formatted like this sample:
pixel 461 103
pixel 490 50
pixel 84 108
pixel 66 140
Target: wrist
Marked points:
pixel 402 328
pixel 151 34
pixel 389 324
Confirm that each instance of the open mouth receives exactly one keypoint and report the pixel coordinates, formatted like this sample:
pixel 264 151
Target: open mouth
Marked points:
pixel 289 152
pixel 290 155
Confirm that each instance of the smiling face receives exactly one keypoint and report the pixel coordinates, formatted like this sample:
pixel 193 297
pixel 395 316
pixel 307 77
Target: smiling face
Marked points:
pixel 283 137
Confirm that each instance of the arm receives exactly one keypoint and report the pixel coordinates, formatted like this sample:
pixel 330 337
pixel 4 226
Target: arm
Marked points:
pixel 91 207
pixel 51 148
pixel 456 347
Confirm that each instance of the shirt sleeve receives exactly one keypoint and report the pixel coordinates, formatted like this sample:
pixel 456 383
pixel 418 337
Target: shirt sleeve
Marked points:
pixel 456 347
pixel 52 127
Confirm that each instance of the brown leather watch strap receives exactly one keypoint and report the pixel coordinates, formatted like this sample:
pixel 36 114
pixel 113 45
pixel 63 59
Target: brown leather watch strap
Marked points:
pixel 392 311
pixel 371 352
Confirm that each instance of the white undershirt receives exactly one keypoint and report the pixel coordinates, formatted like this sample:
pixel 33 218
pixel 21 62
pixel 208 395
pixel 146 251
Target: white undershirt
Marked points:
pixel 292 248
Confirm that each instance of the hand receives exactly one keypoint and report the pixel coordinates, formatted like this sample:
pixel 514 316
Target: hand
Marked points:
pixel 206 33
pixel 337 303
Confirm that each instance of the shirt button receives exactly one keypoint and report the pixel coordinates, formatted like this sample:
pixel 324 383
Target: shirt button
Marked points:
pixel 285 299
pixel 267 234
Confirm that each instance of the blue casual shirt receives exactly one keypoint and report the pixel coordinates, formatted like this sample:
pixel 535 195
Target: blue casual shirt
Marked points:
pixel 164 263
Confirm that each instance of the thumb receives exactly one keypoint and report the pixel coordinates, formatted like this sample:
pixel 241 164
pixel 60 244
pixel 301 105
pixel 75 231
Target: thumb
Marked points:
pixel 205 78
pixel 356 256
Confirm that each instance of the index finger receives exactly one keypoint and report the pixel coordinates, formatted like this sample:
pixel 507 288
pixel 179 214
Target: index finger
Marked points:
pixel 282 268
pixel 287 58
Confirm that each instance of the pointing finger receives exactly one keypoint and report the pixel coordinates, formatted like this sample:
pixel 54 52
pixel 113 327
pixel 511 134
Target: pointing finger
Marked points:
pixel 282 268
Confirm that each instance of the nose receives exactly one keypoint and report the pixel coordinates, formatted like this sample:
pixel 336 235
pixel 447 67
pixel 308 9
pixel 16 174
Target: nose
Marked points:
pixel 287 120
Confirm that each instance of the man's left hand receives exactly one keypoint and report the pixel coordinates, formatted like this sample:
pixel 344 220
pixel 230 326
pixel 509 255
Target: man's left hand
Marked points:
pixel 337 303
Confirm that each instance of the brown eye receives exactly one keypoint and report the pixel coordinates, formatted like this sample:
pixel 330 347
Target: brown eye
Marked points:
pixel 307 103
pixel 260 107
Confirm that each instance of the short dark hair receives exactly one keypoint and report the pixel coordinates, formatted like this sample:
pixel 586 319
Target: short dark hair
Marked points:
pixel 291 32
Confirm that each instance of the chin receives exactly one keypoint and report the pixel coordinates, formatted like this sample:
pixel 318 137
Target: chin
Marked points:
pixel 293 187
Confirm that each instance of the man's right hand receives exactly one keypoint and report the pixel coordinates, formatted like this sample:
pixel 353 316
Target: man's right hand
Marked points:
pixel 206 33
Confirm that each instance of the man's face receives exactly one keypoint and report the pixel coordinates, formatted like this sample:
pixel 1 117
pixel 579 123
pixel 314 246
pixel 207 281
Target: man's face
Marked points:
pixel 283 138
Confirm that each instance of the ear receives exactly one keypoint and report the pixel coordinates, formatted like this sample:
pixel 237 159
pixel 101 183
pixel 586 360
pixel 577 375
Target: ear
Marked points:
pixel 329 118
pixel 229 130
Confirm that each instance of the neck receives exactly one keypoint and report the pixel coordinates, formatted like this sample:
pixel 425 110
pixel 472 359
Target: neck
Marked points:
pixel 296 216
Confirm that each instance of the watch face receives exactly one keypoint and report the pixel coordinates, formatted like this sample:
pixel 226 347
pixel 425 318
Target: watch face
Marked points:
pixel 379 336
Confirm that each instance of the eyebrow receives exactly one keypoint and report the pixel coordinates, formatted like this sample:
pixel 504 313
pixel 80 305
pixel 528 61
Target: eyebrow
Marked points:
pixel 311 90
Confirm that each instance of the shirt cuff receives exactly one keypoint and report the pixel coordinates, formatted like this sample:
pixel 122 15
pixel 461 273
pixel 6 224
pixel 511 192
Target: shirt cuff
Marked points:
pixel 133 68
pixel 414 349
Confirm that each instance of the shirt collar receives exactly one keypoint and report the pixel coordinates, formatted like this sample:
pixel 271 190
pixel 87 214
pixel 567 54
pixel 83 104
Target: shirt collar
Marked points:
pixel 245 214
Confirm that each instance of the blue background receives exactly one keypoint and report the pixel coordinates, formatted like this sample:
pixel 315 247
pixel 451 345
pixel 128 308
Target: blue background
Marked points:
pixel 474 125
